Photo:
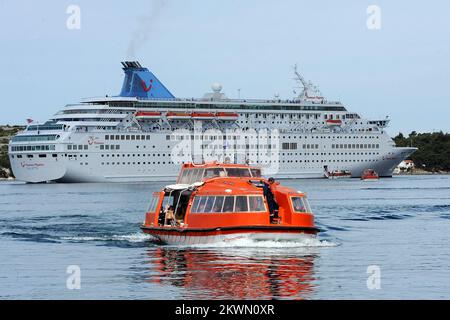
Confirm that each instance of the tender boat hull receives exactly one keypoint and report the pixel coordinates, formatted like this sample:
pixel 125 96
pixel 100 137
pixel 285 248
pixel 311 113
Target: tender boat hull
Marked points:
pixel 186 236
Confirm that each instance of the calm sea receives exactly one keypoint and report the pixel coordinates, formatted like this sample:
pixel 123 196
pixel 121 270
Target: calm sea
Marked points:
pixel 380 240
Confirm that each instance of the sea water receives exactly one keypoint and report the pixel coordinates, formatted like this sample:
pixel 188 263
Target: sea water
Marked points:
pixel 379 240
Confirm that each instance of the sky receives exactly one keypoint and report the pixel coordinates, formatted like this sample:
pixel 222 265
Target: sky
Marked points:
pixel 400 70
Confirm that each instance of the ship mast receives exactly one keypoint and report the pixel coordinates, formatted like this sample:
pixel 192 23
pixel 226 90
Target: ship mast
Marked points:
pixel 310 91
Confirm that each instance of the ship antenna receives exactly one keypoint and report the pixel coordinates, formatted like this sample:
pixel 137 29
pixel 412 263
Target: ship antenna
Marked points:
pixel 299 77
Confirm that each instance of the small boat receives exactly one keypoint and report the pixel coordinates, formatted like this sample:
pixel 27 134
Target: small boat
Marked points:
pixel 221 209
pixel 333 123
pixel 227 116
pixel 339 174
pixel 178 115
pixel 369 175
pixel 147 115
pixel 203 115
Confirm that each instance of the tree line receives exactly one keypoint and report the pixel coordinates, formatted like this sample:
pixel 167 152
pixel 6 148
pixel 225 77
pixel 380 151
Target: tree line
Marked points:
pixel 433 152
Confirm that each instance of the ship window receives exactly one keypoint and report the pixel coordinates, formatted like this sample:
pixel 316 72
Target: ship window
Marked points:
pixel 42 156
pixel 228 204
pixel 256 204
pixel 241 204
pixel 69 147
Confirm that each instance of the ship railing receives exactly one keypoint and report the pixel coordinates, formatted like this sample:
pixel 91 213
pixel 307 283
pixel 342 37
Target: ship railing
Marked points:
pixel 278 101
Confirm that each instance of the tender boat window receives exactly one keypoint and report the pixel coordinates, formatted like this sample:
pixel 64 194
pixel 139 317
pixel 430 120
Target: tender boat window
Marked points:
pixel 183 176
pixel 228 204
pixel 153 203
pixel 300 204
pixel 201 204
pixel 198 176
pixel 256 172
pixel 194 206
pixel 213 172
pixel 209 204
pixel 241 204
pixel 238 172
pixel 256 204
pixel 218 204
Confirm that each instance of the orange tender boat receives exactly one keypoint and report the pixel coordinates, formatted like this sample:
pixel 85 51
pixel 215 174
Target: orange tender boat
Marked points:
pixel 369 175
pixel 227 208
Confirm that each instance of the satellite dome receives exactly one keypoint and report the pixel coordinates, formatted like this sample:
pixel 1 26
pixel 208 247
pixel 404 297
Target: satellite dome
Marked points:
pixel 216 87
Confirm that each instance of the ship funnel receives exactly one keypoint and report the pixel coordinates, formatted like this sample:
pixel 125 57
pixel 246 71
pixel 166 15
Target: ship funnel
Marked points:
pixel 140 82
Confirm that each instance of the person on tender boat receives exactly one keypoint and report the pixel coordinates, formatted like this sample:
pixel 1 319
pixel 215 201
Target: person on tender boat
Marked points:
pixel 169 216
pixel 268 194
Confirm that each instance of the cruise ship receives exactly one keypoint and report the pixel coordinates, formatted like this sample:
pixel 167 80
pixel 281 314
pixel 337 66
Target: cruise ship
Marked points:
pixel 145 133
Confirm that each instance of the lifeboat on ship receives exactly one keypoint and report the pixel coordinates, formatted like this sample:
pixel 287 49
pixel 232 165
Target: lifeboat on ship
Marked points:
pixel 178 115
pixel 142 115
pixel 333 122
pixel 203 115
pixel 369 175
pixel 222 209
pixel 227 116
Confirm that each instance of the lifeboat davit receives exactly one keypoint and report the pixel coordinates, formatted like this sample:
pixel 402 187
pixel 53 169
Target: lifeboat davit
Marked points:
pixel 227 208
pixel 369 175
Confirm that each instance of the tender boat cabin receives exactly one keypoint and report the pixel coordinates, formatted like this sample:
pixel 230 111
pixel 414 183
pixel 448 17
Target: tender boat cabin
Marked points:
pixel 191 173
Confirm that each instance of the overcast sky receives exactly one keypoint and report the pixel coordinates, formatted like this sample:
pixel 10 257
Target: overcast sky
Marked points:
pixel 401 70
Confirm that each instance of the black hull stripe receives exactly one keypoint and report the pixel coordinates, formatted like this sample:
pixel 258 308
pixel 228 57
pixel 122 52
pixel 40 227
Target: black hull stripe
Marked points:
pixel 200 230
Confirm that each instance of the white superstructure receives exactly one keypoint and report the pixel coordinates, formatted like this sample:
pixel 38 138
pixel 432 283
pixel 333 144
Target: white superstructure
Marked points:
pixel 144 133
